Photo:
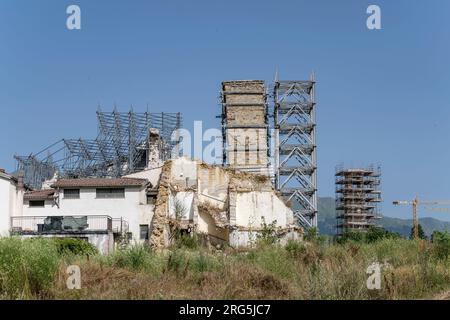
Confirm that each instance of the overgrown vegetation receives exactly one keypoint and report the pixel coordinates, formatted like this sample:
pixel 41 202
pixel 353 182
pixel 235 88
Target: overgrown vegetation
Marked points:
pixel 313 269
pixel 27 267
pixel 268 233
pixel 373 235
pixel 441 241
pixel 71 246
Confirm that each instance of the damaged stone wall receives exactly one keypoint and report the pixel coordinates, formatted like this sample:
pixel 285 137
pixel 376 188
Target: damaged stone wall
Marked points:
pixel 159 237
pixel 224 205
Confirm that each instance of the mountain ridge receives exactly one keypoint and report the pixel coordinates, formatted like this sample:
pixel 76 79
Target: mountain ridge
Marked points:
pixel 327 221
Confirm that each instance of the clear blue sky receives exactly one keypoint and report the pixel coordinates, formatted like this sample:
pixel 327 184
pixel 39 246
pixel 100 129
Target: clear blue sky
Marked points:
pixel 383 96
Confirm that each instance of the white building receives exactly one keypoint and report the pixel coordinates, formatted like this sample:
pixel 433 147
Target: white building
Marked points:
pixel 11 198
pixel 98 210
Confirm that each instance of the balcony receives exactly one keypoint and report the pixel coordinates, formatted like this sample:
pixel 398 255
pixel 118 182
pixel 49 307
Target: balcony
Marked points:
pixel 42 225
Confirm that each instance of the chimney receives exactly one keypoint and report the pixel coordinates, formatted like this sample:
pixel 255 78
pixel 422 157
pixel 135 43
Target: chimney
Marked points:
pixel 155 146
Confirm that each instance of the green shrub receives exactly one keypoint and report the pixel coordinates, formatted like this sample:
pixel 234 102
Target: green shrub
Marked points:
pixel 268 234
pixel 185 240
pixel 295 248
pixel 206 262
pixel 177 262
pixel 73 246
pixel 137 258
pixel 441 244
pixel 373 234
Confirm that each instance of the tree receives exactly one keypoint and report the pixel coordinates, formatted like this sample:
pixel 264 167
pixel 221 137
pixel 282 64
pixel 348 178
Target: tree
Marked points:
pixel 420 231
pixel 373 234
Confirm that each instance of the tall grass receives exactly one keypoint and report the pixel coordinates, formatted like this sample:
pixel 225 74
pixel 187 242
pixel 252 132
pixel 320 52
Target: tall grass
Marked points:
pixel 27 267
pixel 300 270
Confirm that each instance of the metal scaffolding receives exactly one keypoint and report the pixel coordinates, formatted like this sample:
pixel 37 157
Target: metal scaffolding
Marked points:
pixel 121 147
pixel 357 198
pixel 295 150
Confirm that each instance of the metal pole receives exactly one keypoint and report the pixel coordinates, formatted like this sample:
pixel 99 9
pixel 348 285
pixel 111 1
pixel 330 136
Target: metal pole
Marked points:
pixel 415 221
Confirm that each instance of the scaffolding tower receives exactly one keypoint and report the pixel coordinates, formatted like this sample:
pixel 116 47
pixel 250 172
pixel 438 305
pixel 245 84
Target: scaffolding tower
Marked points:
pixel 295 150
pixel 357 198
pixel 121 147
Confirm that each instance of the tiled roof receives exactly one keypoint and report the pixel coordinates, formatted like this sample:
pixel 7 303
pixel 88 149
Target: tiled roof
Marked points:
pixel 5 175
pixel 99 182
pixel 39 195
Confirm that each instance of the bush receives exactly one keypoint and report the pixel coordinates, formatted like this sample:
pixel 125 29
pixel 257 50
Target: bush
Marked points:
pixel 27 267
pixel 441 244
pixel 186 240
pixel 373 234
pixel 72 246
pixel 295 248
pixel 268 233
pixel 177 262
pixel 313 236
pixel 205 262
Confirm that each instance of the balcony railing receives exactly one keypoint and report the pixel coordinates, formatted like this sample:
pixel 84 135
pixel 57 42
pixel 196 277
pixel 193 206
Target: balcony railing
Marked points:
pixel 119 225
pixel 61 224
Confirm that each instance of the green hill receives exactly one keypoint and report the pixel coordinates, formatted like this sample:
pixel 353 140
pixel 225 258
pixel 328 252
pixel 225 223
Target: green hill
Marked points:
pixel 327 221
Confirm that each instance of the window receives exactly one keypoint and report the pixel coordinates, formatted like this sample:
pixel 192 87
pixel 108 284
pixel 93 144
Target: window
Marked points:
pixel 37 203
pixel 151 199
pixel 143 228
pixel 71 193
pixel 111 193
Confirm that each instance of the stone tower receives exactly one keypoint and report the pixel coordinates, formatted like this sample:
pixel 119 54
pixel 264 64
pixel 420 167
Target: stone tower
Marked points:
pixel 245 126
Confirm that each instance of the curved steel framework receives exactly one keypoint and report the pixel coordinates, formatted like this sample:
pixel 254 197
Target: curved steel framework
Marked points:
pixel 121 147
pixel 295 151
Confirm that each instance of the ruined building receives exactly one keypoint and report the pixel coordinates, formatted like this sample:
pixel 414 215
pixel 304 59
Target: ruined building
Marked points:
pixel 357 198
pixel 115 193
pixel 222 206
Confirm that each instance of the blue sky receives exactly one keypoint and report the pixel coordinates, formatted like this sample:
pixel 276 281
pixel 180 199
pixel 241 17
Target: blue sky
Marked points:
pixel 383 96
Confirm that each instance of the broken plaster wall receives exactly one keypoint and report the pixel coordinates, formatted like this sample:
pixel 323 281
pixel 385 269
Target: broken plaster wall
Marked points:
pixel 222 204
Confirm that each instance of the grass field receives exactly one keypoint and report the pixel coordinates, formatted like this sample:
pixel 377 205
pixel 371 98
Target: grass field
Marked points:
pixel 36 269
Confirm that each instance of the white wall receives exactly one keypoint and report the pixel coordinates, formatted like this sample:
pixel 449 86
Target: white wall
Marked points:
pixel 4 205
pixel 252 206
pixel 183 169
pixel 182 201
pixel 132 208
pixel 10 203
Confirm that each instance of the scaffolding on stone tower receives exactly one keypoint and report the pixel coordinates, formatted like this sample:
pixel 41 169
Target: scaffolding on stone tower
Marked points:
pixel 121 147
pixel 358 196
pixel 295 150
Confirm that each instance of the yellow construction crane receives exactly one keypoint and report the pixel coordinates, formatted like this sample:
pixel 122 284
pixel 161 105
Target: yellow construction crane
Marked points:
pixel 414 203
